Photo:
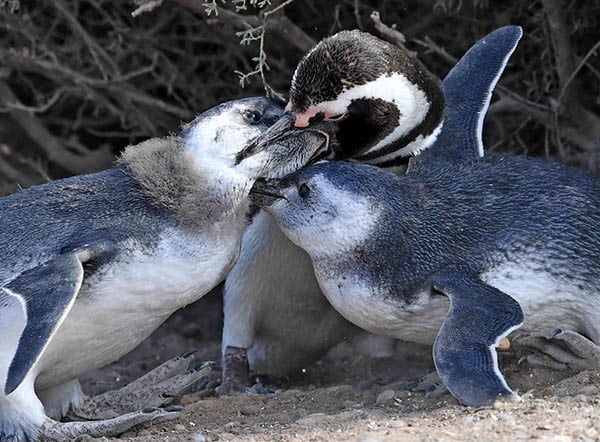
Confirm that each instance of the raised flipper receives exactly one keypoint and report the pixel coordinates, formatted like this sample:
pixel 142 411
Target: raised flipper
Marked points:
pixel 468 89
pixel 464 351
pixel 46 294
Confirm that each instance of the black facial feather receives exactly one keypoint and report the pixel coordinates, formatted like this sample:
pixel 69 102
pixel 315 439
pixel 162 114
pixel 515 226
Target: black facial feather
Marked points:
pixel 347 59
pixel 368 119
pixel 355 58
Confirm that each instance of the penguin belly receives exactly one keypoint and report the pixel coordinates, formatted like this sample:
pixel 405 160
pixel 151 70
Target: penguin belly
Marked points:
pixel 274 306
pixel 550 295
pixel 127 299
pixel 549 300
pixel 377 311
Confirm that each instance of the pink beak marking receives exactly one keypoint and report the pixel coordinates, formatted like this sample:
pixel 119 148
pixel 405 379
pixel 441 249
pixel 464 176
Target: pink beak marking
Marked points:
pixel 302 119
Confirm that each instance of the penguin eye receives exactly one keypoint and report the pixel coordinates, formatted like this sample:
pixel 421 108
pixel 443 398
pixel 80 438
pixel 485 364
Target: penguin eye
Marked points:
pixel 252 117
pixel 303 190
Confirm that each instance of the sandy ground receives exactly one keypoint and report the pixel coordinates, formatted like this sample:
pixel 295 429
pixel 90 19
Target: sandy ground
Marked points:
pixel 337 398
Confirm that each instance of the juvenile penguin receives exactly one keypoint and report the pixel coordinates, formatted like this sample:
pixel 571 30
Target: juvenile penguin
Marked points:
pixel 274 308
pixel 499 237
pixel 91 265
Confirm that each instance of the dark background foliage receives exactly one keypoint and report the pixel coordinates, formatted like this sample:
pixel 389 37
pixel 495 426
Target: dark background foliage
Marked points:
pixel 79 80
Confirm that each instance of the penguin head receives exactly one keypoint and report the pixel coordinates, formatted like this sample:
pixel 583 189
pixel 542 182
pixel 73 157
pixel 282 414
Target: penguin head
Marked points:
pixel 223 131
pixel 326 208
pixel 221 138
pixel 383 101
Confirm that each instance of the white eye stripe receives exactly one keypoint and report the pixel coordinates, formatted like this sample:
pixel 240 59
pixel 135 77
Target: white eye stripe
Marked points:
pixel 412 103
pixel 337 117
pixel 413 148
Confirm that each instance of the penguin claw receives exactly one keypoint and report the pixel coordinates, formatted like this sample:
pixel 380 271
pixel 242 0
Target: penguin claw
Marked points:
pixel 159 387
pixel 436 390
pixel 258 388
pixel 584 353
pixel 431 385
pixel 262 389
pixel 561 349
pixel 538 359
pixel 58 431
pixel 521 335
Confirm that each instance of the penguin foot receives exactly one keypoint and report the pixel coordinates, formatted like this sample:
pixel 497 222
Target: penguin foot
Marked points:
pixel 560 350
pixel 262 386
pixel 236 372
pixel 431 384
pixel 207 387
pixel 59 431
pixel 159 387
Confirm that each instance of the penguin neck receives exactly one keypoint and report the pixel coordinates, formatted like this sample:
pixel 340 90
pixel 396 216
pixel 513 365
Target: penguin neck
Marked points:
pixel 397 154
pixel 199 193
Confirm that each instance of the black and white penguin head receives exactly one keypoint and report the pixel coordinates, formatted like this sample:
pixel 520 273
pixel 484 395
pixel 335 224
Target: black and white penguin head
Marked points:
pixel 220 138
pixel 386 103
pixel 222 131
pixel 322 208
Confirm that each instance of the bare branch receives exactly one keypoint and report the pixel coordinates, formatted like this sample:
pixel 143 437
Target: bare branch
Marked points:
pixel 391 34
pixel 58 93
pixel 50 145
pixel 279 24
pixel 293 34
pixel 563 53
pixel 100 56
pixel 582 63
pixel 115 85
pixel 356 11
pixel 15 175
pixel 146 7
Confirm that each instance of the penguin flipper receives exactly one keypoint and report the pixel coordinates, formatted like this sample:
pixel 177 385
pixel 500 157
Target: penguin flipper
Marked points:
pixel 464 351
pixel 45 293
pixel 468 89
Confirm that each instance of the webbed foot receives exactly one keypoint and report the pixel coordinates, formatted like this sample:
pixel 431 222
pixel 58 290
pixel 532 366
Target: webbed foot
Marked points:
pixel 262 386
pixel 59 431
pixel 161 386
pixel 560 350
pixel 431 384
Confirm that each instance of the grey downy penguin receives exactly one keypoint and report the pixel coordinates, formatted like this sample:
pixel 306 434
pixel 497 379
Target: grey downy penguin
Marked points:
pixel 457 255
pixel 91 265
pixel 274 308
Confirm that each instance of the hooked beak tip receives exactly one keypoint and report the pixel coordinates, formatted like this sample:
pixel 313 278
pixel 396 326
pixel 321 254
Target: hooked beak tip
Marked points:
pixel 265 192
pixel 273 134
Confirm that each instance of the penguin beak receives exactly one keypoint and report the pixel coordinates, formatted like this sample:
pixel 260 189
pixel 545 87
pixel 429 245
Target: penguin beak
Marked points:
pixel 265 192
pixel 283 128
pixel 279 130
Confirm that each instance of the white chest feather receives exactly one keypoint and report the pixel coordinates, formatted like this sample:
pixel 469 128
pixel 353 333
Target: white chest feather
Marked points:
pixel 377 312
pixel 128 299
pixel 547 301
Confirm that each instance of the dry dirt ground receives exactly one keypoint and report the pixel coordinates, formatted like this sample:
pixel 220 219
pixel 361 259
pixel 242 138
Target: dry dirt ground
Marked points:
pixel 336 398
